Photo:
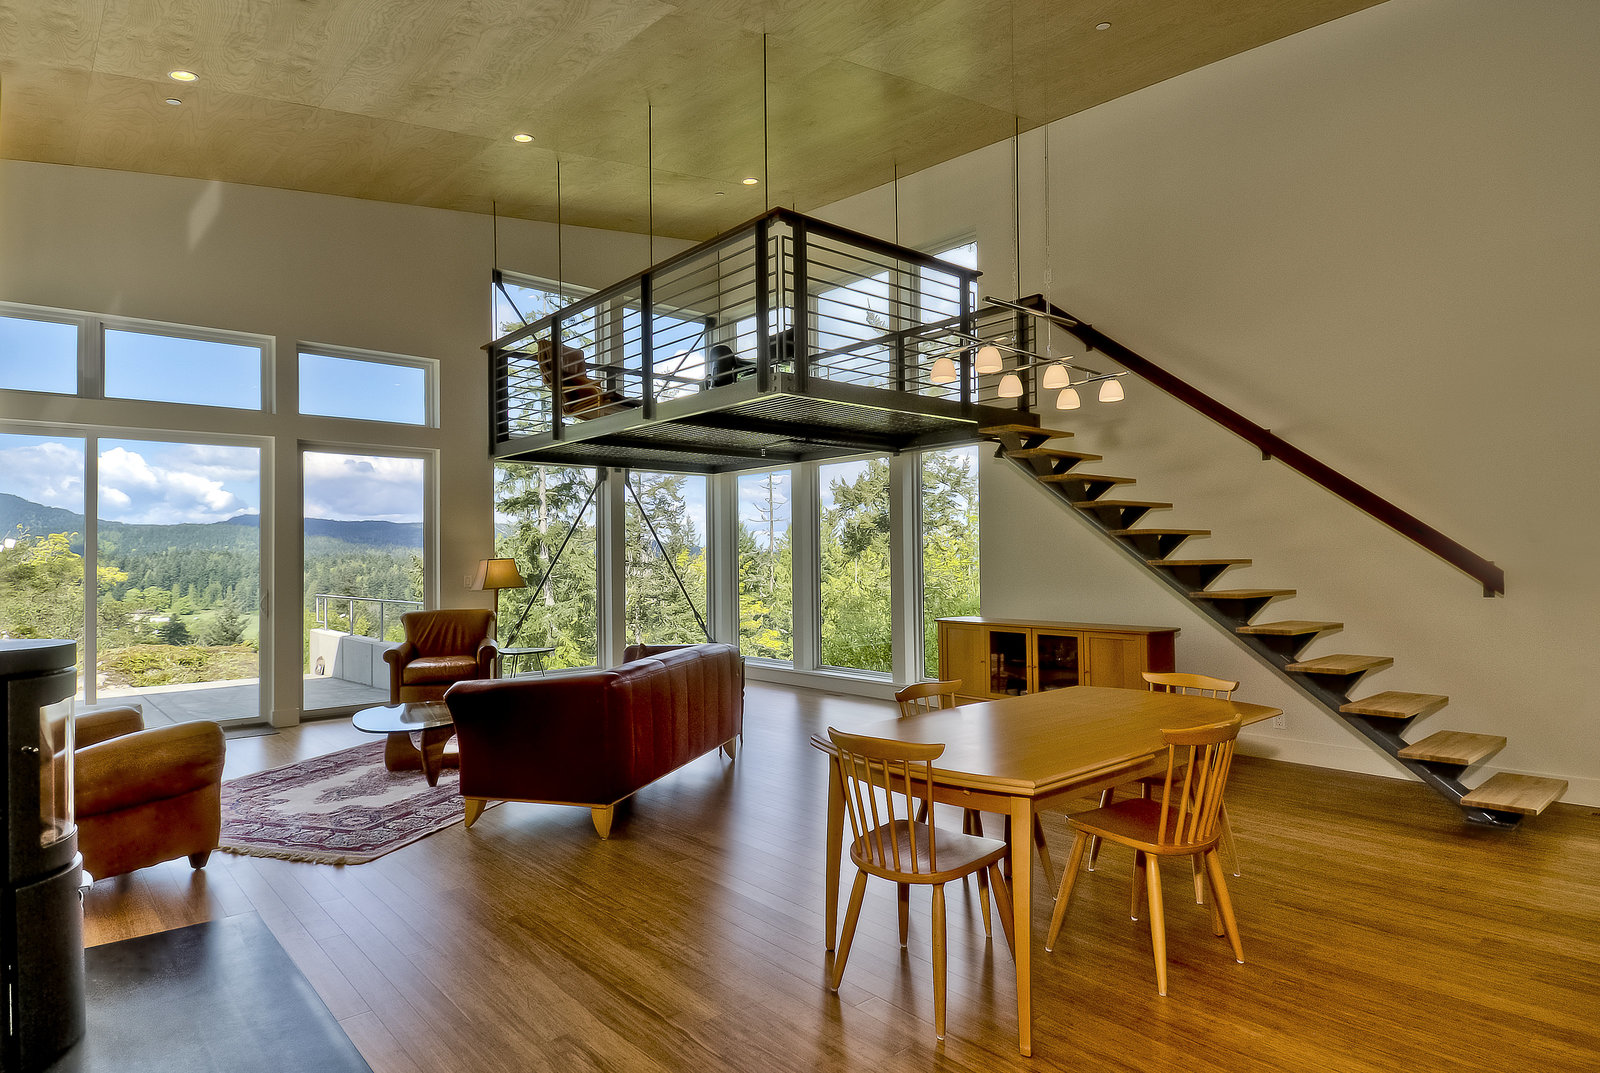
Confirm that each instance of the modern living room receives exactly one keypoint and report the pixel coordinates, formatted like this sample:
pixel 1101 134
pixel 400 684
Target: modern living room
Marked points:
pixel 1316 230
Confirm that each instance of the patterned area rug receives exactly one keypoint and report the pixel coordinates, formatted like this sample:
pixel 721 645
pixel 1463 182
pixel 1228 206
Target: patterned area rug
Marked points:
pixel 342 808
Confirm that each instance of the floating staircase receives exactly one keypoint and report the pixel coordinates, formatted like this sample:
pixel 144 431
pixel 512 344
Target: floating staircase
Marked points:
pixel 1439 760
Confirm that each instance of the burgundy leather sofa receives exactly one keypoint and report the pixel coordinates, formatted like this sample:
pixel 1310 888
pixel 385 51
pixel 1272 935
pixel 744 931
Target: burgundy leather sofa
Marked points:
pixel 596 737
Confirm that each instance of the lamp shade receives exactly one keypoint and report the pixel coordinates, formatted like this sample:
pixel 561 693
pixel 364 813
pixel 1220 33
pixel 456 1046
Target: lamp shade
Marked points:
pixel 943 371
pixel 498 574
pixel 1056 376
pixel 1068 399
pixel 1111 391
pixel 988 360
pixel 1011 386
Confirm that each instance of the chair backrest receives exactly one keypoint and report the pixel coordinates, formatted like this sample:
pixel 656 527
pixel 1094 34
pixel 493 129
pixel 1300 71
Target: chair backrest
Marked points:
pixel 883 783
pixel 1194 685
pixel 927 696
pixel 1198 759
pixel 448 632
pixel 579 394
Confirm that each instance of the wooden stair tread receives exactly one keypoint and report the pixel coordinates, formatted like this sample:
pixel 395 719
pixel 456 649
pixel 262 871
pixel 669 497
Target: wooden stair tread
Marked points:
pixel 1157 532
pixel 1454 747
pixel 1527 794
pixel 1076 476
pixel 1292 627
pixel 1023 430
pixel 1052 452
pixel 1341 663
pixel 1395 705
pixel 1098 503
pixel 1199 562
pixel 1239 594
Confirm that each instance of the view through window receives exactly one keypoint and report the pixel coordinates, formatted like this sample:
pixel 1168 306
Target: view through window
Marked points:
pixel 666 559
pixel 853 549
pixel 949 502
pixel 542 512
pixel 766 565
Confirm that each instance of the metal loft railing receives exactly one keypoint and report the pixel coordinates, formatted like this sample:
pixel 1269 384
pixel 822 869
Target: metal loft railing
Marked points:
pixel 1492 577
pixel 783 299
pixel 326 607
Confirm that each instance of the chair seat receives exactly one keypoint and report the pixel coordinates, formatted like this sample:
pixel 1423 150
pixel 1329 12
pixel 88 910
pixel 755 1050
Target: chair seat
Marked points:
pixel 1134 822
pixel 959 854
pixel 439 669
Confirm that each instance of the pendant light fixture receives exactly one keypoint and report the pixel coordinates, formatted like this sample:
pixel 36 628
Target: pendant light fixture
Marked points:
pixel 1068 399
pixel 943 371
pixel 988 359
pixel 1056 376
pixel 1010 386
pixel 1111 391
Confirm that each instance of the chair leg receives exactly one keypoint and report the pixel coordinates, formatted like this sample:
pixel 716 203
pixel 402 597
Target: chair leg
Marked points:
pixel 1158 923
pixel 1106 796
pixel 983 901
pixel 1004 905
pixel 1199 881
pixel 1079 845
pixel 1044 852
pixel 198 860
pixel 938 960
pixel 850 917
pixel 904 895
pixel 1138 883
pixel 1227 837
pixel 1219 893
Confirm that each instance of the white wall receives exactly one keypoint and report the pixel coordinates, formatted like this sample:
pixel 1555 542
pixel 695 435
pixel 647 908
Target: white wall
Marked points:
pixel 297 267
pixel 1379 238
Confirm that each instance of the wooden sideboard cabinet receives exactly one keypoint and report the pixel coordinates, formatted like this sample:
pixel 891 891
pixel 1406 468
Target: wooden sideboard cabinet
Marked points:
pixel 1006 657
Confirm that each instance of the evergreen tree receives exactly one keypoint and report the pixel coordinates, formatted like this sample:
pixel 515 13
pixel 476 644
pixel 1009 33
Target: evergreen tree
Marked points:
pixel 174 632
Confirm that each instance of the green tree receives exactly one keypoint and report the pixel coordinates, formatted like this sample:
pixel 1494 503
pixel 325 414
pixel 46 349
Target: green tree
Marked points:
pixel 854 550
pixel 224 628
pixel 174 632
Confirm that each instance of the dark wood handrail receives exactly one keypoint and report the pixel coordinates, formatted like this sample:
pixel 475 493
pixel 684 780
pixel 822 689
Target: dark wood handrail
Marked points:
pixel 1486 572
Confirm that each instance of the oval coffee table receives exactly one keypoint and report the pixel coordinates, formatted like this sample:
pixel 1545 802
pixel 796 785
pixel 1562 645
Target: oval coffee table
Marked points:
pixel 431 717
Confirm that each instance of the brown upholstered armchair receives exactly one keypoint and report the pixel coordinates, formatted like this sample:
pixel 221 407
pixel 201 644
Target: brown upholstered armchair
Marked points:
pixel 145 796
pixel 440 649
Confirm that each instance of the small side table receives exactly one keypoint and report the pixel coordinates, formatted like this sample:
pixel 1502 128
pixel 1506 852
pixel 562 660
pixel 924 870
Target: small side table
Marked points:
pixel 514 654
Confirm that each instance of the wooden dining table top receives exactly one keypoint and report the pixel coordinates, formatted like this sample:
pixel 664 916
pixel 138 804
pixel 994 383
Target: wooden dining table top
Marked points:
pixel 1040 743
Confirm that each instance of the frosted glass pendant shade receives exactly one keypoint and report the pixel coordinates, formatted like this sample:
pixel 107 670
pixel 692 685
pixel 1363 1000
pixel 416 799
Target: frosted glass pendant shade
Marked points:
pixel 1056 376
pixel 942 372
pixel 1068 399
pixel 1011 386
pixel 1111 391
pixel 988 360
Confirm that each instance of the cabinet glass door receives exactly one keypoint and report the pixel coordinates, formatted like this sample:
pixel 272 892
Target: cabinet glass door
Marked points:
pixel 1058 660
pixel 1008 662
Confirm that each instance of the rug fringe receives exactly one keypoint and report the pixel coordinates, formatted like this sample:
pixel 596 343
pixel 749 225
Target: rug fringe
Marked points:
pixel 302 856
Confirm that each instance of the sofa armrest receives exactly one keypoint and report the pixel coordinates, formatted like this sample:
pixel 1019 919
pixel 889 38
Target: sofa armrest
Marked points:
pixel 149 765
pixel 91 728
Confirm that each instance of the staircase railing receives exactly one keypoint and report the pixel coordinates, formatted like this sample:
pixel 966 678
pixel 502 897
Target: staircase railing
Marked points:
pixel 1492 577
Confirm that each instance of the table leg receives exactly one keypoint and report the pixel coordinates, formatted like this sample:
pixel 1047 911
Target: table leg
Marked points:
pixel 830 881
pixel 1021 837
pixel 399 754
pixel 433 742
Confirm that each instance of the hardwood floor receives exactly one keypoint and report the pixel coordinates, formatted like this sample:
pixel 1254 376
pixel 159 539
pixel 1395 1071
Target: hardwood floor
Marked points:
pixel 1380 933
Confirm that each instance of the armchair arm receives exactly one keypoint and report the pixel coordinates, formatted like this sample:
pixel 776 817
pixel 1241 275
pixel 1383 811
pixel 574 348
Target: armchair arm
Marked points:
pixel 91 728
pixel 147 766
pixel 487 653
pixel 397 658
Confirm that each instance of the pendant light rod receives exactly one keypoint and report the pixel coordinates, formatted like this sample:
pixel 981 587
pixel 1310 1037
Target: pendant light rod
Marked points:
pixel 1066 322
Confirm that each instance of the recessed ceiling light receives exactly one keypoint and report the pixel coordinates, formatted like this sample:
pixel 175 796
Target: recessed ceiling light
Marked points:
pixel 721 193
pixel 1102 26
pixel 183 76
pixel 522 137
pixel 173 100
pixel 750 181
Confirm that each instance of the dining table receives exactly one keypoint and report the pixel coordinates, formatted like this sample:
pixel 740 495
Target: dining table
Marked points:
pixel 1015 755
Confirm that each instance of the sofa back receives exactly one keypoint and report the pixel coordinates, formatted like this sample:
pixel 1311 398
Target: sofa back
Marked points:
pixel 597 736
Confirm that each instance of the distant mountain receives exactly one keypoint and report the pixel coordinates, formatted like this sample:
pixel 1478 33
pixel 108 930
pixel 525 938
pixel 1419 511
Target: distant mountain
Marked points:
pixel 22 515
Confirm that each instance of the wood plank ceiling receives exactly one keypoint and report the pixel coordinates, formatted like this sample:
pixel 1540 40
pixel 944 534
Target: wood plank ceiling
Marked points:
pixel 656 110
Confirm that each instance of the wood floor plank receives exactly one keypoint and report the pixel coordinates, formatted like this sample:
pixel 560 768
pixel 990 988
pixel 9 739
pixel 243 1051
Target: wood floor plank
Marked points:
pixel 1381 934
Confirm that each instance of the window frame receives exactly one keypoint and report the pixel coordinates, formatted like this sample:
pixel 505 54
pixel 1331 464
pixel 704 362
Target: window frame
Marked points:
pixel 430 380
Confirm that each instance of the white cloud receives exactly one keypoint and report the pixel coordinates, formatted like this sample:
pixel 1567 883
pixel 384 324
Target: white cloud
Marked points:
pixel 48 472
pixel 163 489
pixel 371 487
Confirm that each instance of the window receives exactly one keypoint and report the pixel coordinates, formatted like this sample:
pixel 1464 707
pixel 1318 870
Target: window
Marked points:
pixel 853 551
pixel 949 507
pixel 363 555
pixel 766 565
pixel 195 370
pixel 41 537
pixel 38 355
pixel 367 388
pixel 542 512
pixel 520 300
pixel 665 579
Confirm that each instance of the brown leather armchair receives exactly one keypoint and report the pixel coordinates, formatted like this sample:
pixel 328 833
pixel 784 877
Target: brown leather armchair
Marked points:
pixel 145 796
pixel 440 649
